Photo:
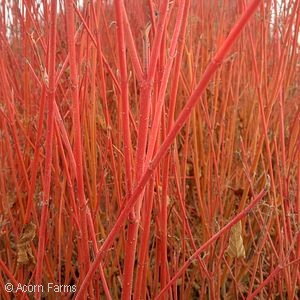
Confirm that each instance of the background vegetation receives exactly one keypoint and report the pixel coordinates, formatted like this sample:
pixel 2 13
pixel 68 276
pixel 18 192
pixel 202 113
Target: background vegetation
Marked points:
pixel 97 127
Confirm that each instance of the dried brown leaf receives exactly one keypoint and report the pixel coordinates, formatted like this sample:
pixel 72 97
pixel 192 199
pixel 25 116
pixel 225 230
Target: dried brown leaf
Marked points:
pixel 236 245
pixel 23 245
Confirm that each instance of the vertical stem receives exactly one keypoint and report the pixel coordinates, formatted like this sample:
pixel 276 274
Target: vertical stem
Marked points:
pixel 124 95
pixel 84 249
pixel 134 217
pixel 49 140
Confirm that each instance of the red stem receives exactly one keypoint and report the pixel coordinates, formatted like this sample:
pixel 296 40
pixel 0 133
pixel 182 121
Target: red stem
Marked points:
pixel 134 218
pixel 49 140
pixel 77 136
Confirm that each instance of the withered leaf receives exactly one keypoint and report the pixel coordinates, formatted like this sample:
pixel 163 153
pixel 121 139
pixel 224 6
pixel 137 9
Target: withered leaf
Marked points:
pixel 23 245
pixel 236 245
